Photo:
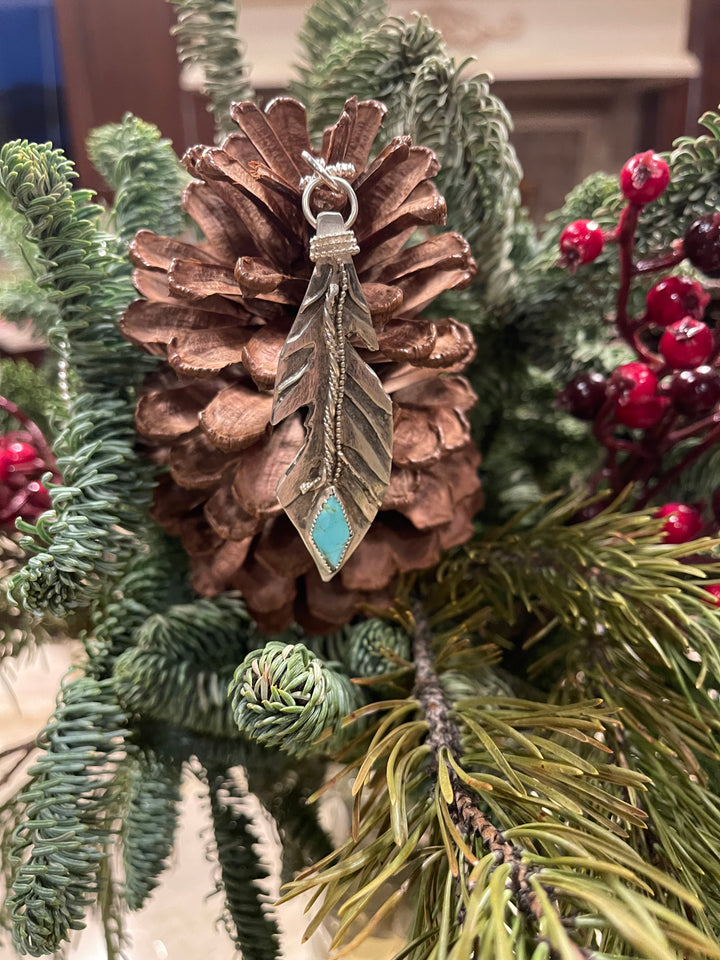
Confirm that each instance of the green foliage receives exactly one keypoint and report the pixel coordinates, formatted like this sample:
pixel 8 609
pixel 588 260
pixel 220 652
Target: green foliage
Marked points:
pixel 609 576
pixel 33 390
pixel 20 632
pixel 247 918
pixel 144 173
pixel 468 127
pixel 149 824
pixel 284 696
pixel 20 298
pixel 285 794
pixel 547 787
pixel 326 22
pixel 498 820
pixel 378 63
pixel 207 35
pixel 181 662
pixel 84 538
pixel 59 842
pixel 374 647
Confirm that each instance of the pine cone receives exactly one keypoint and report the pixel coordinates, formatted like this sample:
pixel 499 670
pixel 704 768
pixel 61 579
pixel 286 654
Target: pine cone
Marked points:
pixel 220 311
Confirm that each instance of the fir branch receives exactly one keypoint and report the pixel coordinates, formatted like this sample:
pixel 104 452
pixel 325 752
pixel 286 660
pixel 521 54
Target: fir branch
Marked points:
pixel 20 632
pixel 111 908
pixel 149 825
pixel 479 171
pixel 207 35
pixel 285 793
pixel 375 647
pixel 144 173
pixel 181 663
pixel 378 64
pixel 33 390
pixel 247 918
pixel 59 843
pixel 104 488
pixel 326 21
pixel 284 696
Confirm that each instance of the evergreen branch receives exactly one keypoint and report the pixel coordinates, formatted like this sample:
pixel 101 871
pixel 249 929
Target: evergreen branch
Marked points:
pixel 111 907
pixel 104 489
pixel 32 390
pixel 612 572
pixel 181 663
pixel 491 877
pixel 671 736
pixel 59 843
pixel 376 647
pixel 207 35
pixel 479 171
pixel 284 696
pixel 149 824
pixel 143 171
pixel 285 794
pixel 444 738
pixel 20 632
pixel 326 21
pixel 248 921
pixel 376 64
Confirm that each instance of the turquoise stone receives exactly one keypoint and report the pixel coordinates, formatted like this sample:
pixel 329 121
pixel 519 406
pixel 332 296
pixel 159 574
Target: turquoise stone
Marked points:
pixel 331 533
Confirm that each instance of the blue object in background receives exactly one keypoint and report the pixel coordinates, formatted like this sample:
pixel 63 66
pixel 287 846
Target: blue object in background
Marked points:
pixel 30 74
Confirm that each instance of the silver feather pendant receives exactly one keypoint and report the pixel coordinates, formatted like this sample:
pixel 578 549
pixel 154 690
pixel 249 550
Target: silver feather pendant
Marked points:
pixel 334 487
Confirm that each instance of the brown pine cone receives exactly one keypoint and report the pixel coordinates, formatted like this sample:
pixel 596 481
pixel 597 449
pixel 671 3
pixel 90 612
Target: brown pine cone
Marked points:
pixel 220 311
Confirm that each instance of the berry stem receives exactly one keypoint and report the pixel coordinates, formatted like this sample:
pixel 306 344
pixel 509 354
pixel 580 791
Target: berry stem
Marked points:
pixel 666 262
pixel 41 444
pixel 625 239
pixel 690 457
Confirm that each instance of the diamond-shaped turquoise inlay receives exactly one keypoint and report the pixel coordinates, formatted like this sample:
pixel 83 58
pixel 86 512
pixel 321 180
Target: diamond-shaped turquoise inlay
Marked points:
pixel 331 533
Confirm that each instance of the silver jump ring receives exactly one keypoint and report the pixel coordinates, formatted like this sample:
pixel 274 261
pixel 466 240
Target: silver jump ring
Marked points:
pixel 340 186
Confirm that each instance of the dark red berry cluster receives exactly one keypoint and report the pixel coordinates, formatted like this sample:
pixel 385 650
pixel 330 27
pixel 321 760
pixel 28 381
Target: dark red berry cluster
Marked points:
pixel 21 491
pixel 671 392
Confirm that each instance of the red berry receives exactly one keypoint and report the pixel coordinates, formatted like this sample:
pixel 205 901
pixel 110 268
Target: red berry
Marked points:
pixel 702 244
pixel 641 414
pixel 674 298
pixel 633 382
pixel 683 522
pixel 580 242
pixel 644 177
pixel 20 453
pixel 714 590
pixel 39 496
pixel 695 391
pixel 686 344
pixel 584 395
pixel 5 465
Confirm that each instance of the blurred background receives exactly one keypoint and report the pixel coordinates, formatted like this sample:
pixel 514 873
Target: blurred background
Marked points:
pixel 588 82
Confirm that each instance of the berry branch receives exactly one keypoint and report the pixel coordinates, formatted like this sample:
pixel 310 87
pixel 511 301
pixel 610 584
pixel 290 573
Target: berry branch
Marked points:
pixel 669 394
pixel 24 457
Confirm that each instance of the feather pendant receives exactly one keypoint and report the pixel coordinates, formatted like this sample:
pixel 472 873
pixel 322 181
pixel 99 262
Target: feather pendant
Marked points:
pixel 334 487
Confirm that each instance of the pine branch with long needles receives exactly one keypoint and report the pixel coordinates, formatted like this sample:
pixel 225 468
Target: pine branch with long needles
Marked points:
pixel 505 838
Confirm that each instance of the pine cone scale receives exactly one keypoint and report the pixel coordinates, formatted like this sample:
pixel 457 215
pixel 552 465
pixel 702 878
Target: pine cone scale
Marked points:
pixel 237 418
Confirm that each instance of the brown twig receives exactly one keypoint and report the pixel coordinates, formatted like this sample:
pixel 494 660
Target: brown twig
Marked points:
pixel 444 735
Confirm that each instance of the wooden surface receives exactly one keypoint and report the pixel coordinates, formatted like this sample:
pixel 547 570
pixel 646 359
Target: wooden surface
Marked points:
pixel 118 56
